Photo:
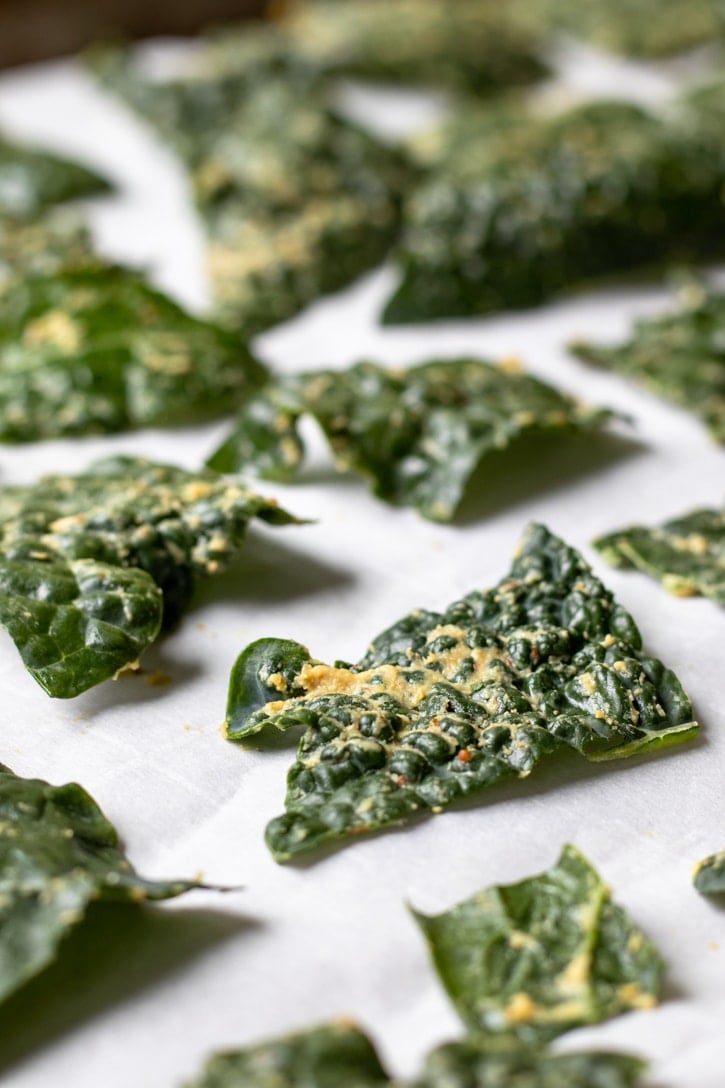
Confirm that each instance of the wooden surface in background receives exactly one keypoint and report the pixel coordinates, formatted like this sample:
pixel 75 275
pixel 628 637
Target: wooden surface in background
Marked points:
pixel 32 30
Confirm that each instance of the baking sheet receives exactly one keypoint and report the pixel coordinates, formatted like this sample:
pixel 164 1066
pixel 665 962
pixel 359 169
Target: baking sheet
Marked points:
pixel 311 942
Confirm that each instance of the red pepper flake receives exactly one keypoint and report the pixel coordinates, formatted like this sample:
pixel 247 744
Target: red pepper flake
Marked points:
pixel 464 755
pixel 400 780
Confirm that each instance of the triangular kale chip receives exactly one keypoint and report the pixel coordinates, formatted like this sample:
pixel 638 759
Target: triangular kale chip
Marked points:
pixel 543 956
pixel 291 211
pixel 483 1061
pixel 330 1056
pixel 418 434
pixel 469 45
pixel 91 565
pixel 58 854
pixel 339 1055
pixel 31 181
pixel 519 212
pixel 686 554
pixel 97 349
pixel 710 875
pixel 680 356
pixel 444 705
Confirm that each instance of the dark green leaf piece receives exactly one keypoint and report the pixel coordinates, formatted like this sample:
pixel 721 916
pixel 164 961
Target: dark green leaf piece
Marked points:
pixel 330 1056
pixel 710 875
pixel 444 705
pixel 471 45
pixel 291 211
pixel 97 349
pixel 192 110
pixel 418 434
pixel 58 854
pixel 520 211
pixel 339 1055
pixel 32 181
pixel 650 29
pixel 543 956
pixel 91 565
pixel 42 246
pixel 680 357
pixel 687 554
pixel 484 1061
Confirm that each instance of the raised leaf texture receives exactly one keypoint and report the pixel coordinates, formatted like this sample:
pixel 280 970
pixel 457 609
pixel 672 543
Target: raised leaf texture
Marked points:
pixel 686 554
pixel 58 854
pixel 517 212
pixel 468 45
pixel 292 210
pixel 96 349
pixel 543 956
pixel 418 434
pixel 91 565
pixel 444 705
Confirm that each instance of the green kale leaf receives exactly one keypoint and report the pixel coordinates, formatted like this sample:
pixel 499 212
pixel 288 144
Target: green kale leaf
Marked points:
pixel 328 1056
pixel 520 211
pixel 418 434
pixel 469 45
pixel 291 211
pixel 58 854
pixel 650 29
pixel 484 1061
pixel 444 705
pixel 96 349
pixel 686 554
pixel 680 356
pixel 42 246
pixel 92 565
pixel 339 1055
pixel 710 875
pixel 32 181
pixel 543 956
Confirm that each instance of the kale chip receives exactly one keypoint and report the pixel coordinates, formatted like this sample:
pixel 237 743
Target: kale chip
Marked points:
pixel 91 566
pixel 687 554
pixel 417 434
pixel 445 705
pixel 58 854
pixel 543 956
pixel 97 349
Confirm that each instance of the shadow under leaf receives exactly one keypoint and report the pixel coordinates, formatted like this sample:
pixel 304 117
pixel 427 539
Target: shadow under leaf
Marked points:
pixel 267 571
pixel 117 951
pixel 538 463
